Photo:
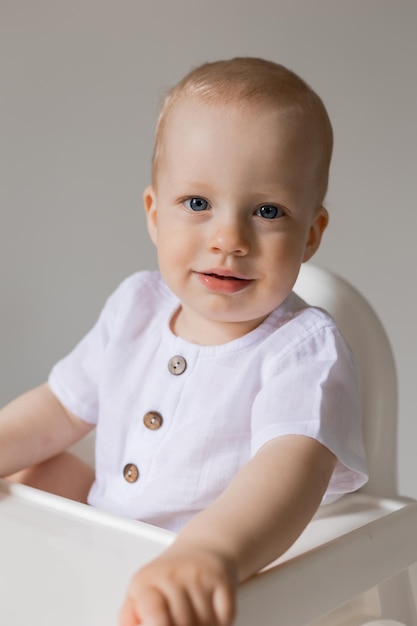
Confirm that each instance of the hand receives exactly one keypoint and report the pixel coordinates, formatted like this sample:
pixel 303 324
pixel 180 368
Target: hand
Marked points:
pixel 188 586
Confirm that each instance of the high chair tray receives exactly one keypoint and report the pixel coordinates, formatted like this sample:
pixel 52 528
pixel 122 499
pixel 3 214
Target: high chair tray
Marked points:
pixel 67 564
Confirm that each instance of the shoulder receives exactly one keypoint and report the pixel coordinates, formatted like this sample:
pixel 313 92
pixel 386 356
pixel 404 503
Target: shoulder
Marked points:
pixel 300 332
pixel 145 288
pixel 298 320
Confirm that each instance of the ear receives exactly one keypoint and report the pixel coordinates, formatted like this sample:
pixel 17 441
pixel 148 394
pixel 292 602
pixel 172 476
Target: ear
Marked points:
pixel 149 203
pixel 317 228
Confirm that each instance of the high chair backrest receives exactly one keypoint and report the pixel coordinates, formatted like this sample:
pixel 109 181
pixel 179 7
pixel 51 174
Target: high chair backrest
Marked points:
pixel 367 338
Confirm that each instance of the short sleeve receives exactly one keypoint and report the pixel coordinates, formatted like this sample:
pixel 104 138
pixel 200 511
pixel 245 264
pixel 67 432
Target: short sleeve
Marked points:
pixel 75 378
pixel 313 390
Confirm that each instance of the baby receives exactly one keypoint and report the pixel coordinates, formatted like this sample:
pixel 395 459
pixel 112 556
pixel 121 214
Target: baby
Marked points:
pixel 226 409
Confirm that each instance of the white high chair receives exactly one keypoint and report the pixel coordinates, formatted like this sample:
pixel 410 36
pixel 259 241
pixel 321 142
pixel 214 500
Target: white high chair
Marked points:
pixel 356 562
pixel 354 565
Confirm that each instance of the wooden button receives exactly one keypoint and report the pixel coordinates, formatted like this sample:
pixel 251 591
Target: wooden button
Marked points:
pixel 153 420
pixel 130 473
pixel 177 365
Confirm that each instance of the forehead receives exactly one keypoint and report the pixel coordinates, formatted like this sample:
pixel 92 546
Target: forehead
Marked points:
pixel 192 120
pixel 230 131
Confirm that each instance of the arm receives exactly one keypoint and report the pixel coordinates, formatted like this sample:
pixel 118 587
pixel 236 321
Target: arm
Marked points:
pixel 254 521
pixel 35 427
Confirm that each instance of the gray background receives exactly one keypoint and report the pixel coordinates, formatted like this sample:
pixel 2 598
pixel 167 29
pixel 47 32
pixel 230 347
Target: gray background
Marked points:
pixel 80 86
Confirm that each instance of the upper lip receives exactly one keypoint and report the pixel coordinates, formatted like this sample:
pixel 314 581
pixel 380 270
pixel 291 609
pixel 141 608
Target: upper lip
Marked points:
pixel 225 273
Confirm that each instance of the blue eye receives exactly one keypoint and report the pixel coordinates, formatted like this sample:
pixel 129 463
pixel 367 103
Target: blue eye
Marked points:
pixel 269 211
pixel 196 204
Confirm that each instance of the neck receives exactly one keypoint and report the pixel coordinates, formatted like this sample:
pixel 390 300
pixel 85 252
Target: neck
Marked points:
pixel 207 332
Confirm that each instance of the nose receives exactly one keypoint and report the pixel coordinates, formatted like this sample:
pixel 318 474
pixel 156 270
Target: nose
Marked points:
pixel 230 236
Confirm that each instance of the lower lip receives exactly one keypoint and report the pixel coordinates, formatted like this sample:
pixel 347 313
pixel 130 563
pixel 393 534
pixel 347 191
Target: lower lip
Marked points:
pixel 223 285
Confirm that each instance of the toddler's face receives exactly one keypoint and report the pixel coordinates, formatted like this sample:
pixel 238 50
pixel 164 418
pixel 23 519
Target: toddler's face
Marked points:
pixel 233 213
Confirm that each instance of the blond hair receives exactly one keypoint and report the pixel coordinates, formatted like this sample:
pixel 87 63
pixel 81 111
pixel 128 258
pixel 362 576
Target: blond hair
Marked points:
pixel 252 81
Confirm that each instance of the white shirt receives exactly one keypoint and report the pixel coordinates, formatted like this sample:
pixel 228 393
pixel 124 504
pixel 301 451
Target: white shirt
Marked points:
pixel 293 374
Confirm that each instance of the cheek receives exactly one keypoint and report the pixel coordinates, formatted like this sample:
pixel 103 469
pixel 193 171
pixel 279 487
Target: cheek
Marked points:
pixel 284 260
pixel 287 250
pixel 174 248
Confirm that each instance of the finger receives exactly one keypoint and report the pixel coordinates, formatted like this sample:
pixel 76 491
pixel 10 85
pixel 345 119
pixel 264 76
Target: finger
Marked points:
pixel 149 608
pixel 224 605
pixel 127 614
pixel 181 606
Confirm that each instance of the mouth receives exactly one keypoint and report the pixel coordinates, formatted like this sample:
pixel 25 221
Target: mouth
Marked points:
pixel 223 281
pixel 226 275
pixel 221 277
